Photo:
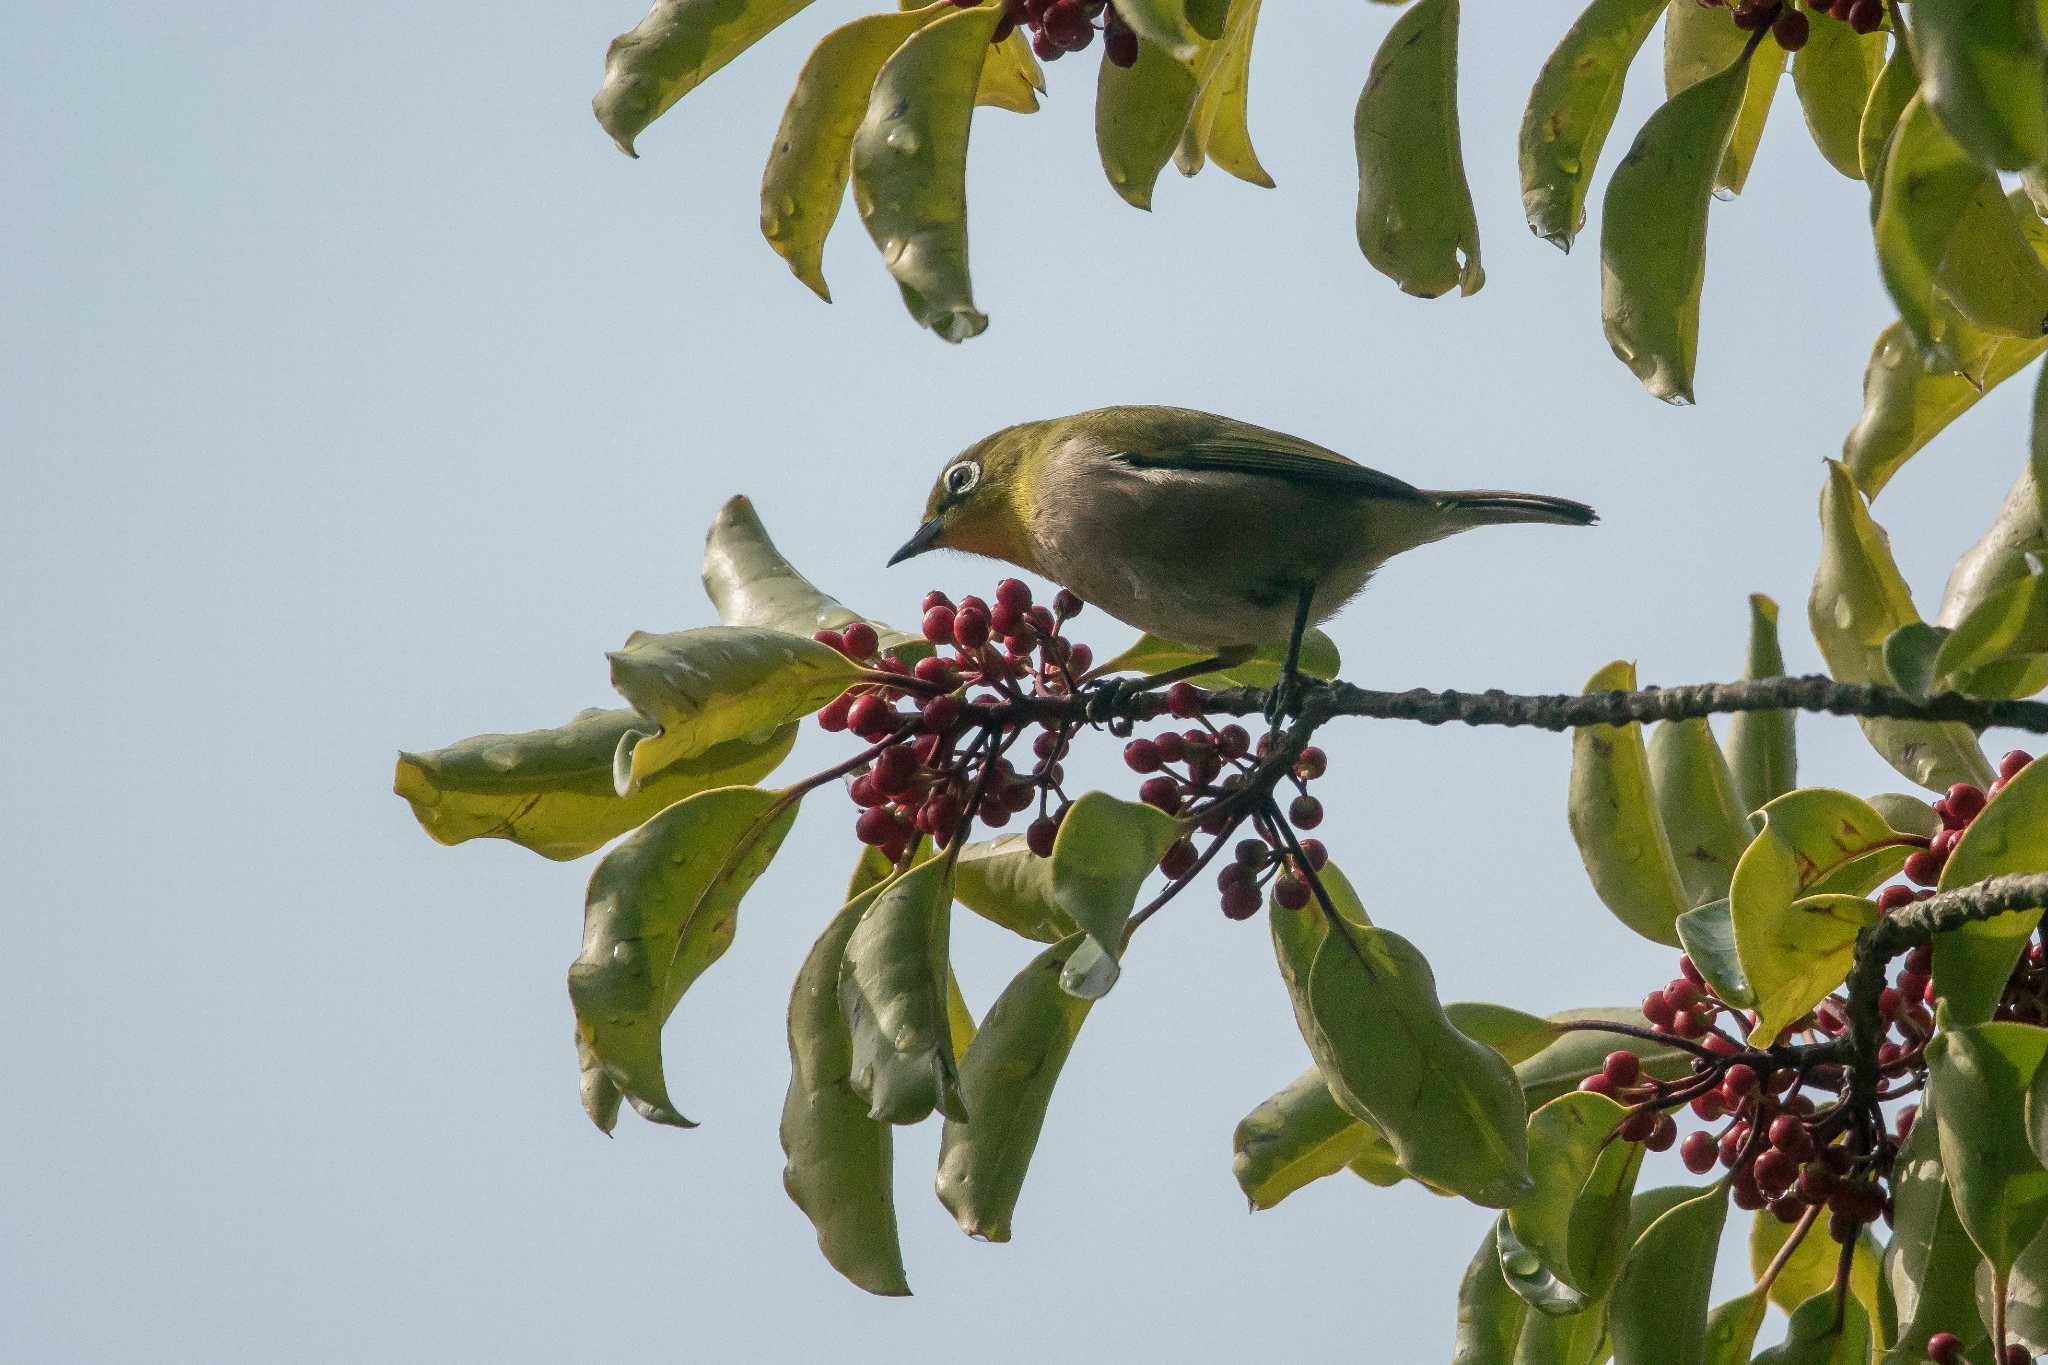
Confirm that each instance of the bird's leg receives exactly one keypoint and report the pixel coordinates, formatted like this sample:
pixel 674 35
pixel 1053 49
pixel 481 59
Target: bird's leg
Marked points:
pixel 1284 691
pixel 1109 695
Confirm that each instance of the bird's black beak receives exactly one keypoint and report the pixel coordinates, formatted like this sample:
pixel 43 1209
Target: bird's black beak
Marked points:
pixel 926 537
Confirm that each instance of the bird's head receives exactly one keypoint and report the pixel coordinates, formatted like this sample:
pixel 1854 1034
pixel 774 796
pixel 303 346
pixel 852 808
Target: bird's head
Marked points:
pixel 984 499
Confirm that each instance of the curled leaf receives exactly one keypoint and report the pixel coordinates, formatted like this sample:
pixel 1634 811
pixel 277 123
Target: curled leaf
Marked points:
pixel 1984 71
pixel 893 993
pixel 1415 220
pixel 751 584
pixel 1490 1313
pixel 1614 820
pixel 1571 110
pixel 1217 128
pixel 1575 1215
pixel 1696 799
pixel 1294 1137
pixel 1833 74
pixel 671 52
pixel 1905 407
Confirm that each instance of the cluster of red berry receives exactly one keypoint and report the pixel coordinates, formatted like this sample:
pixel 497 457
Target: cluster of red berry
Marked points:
pixel 1789 27
pixel 1058 27
pixel 1946 1348
pixel 922 779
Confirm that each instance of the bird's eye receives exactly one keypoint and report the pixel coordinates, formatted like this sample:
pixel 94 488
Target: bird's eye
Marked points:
pixel 962 477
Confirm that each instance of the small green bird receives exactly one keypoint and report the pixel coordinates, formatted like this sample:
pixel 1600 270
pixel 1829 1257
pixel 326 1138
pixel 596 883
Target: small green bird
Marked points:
pixel 1203 530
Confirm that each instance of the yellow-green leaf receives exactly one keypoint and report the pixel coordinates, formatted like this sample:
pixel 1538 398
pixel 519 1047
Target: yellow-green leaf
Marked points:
pixel 1659 1311
pixel 704 687
pixel 892 991
pixel 1103 853
pixel 808 168
pixel 1140 112
pixel 1989 270
pixel 1833 74
pixel 1294 1137
pixel 1982 1075
pixel 1571 109
pixel 1614 818
pixel 751 584
pixel 1415 220
pixel 1575 1215
pixel 1150 654
pixel 1011 78
pixel 1983 70
pixel 1515 1034
pixel 1762 753
pixel 551 790
pixel 1973 963
pixel 661 908
pixel 671 52
pixel 1797 899
pixel 1005 883
pixel 1905 407
pixel 1894 88
pixel 1811 1268
pixel 1217 130
pixel 840 1163
pixel 1708 934
pixel 1578 1053
pixel 1999 558
pixel 1732 1328
pixel 1532 1281
pixel 1006 1079
pixel 1700 42
pixel 2010 624
pixel 1929 1265
pixel 1490 1314
pixel 1162 23
pixel 1696 799
pixel 1823 1332
pixel 1653 232
pixel 910 167
pixel 1859 598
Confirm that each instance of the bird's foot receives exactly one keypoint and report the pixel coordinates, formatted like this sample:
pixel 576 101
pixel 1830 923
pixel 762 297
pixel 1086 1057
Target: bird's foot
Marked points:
pixel 1106 700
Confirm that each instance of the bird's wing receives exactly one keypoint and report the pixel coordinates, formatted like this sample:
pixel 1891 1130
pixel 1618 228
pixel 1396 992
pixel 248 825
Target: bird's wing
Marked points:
pixel 1240 448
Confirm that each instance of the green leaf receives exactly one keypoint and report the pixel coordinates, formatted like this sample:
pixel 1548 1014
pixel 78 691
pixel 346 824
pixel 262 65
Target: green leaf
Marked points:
pixel 812 157
pixel 1658 1315
pixel 1006 1079
pixel 2004 555
pixel 1163 23
pixel 1653 231
pixel 1732 1327
pixel 1833 74
pixel 1708 934
pixel 1011 77
pixel 1974 962
pixel 1514 1034
pixel 1896 84
pixel 840 1167
pixel 2009 625
pixel 1575 1217
pixel 708 686
pixel 1005 883
pixel 1580 1339
pixel 751 584
pixel 1613 814
pixel 1762 754
pixel 551 790
pixel 1140 112
pixel 1490 1314
pixel 1930 1263
pixel 1450 1107
pixel 1811 1268
pixel 892 991
pixel 1797 899
pixel 1524 1272
pixel 1701 42
pixel 1982 1075
pixel 1577 1054
pixel 1982 69
pixel 1905 407
pixel 1910 655
pixel 1150 654
pixel 1103 853
pixel 910 167
pixel 1814 1336
pixel 1989 269
pixel 1415 220
pixel 1859 599
pixel 671 52
pixel 1696 799
pixel 1766 68
pixel 661 908
pixel 1571 110
pixel 1217 129
pixel 2026 1314
pixel 1906 814
pixel 1293 1138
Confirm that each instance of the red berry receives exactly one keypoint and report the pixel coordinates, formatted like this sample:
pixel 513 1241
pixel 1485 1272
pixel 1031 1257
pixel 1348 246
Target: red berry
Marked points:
pixel 1897 896
pixel 1172 748
pixel 1241 901
pixel 941 714
pixel 1622 1067
pixel 1944 842
pixel 1120 46
pixel 1710 1106
pixel 1688 969
pixel 1080 658
pixel 1180 859
pixel 832 717
pixel 1923 866
pixel 2009 766
pixel 1065 603
pixel 1038 836
pixel 1161 792
pixel 1775 1171
pixel 1305 812
pixel 1865 16
pixel 861 641
pixel 876 826
pixel 1015 594
pixel 1597 1084
pixel 1738 1083
pixel 895 769
pixel 970 628
pixel 1966 801
pixel 1719 1045
pixel 1690 1024
pixel 2016 1354
pixel 938 624
pixel 1142 756
pixel 1290 892
pixel 1791 1136
pixel 1698 1152
pixel 831 639
pixel 935 598
pixel 1639 1124
pixel 1658 1010
pixel 1184 701
pixel 1745 1192
pixel 1790 30
pixel 1316 852
pixel 1250 853
pixel 1945 1348
pixel 1312 764
pixel 1682 994
pixel 1921 959
pixel 1233 741
pixel 1663 1135
pixel 1904 1122
pixel 1006 621
pixel 871 717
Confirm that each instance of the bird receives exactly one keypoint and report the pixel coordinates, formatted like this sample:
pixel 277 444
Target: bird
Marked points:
pixel 1203 530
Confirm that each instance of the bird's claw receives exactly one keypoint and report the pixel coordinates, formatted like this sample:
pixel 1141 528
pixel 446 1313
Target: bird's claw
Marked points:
pixel 1106 702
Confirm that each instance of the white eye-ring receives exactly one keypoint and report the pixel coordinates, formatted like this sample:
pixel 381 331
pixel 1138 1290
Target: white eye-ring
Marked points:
pixel 962 477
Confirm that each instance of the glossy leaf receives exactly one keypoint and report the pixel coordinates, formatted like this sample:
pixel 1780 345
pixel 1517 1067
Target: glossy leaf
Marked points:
pixel 1450 1107
pixel 1708 935
pixel 1415 220
pixel 1700 42
pixel 910 167
pixel 671 52
pixel 1571 110
pixel 1858 600
pixel 1653 232
pixel 1217 129
pixel 551 790
pixel 1524 1272
pixel 1294 1137
pixel 1732 1328
pixel 1811 1268
pixel 751 584
pixel 1163 23
pixel 1490 1314
pixel 1577 1054
pixel 1103 853
pixel 1696 799
pixel 2010 835
pixel 1833 74
pixel 1005 883
pixel 808 168
pixel 709 686
pixel 1515 1034
pixel 661 908
pixel 839 1166
pixel 1910 655
pixel 1990 271
pixel 1983 70
pixel 1613 813
pixel 2000 556
pixel 1906 814
pixel 1140 113
pixel 1982 1075
pixel 1905 407
pixel 1006 1080
pixel 1658 1314
pixel 1150 654
pixel 1896 84
pixel 1011 77
pixel 2009 626
pixel 1930 1263
pixel 1575 1217
pixel 1762 753
pixel 1817 1336
pixel 892 991
pixel 1797 899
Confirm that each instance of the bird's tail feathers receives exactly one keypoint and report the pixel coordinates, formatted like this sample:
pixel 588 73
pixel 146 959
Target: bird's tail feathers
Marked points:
pixel 1494 506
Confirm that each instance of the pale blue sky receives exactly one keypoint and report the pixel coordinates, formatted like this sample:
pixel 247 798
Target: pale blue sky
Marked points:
pixel 359 395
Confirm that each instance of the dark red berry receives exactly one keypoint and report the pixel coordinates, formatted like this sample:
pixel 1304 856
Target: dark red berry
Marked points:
pixel 1904 1122
pixel 895 769
pixel 1710 1106
pixel 1184 701
pixel 1251 853
pixel 832 717
pixel 1142 756
pixel 1658 1010
pixel 1290 892
pixel 1698 1152
pixel 1738 1082
pixel 938 624
pixel 1305 812
pixel 1791 1136
pixel 1180 859
pixel 970 628
pixel 831 639
pixel 1172 748
pixel 1639 1124
pixel 1866 16
pixel 1923 866
pixel 935 598
pixel 2014 760
pixel 1775 1171
pixel 1622 1067
pixel 1790 30
pixel 861 641
pixel 1038 836
pixel 1745 1192
pixel 1312 764
pixel 1663 1135
pixel 1316 852
pixel 1894 897
pixel 1161 792
pixel 1233 741
pixel 871 717
pixel 1597 1084
pixel 877 826
pixel 1015 594
pixel 2016 1354
pixel 1080 658
pixel 941 714
pixel 1065 603
pixel 1120 46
